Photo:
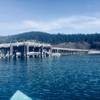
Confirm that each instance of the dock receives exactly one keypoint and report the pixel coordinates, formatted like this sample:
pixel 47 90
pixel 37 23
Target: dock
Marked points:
pixel 36 49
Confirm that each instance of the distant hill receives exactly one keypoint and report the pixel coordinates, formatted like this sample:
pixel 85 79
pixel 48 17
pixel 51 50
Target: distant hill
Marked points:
pixel 76 45
pixel 72 40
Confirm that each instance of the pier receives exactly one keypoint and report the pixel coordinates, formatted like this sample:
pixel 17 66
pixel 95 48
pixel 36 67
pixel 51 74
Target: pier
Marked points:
pixel 24 49
pixel 67 51
pixel 35 49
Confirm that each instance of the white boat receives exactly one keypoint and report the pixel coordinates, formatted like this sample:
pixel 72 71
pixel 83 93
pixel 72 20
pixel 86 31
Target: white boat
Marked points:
pixel 20 96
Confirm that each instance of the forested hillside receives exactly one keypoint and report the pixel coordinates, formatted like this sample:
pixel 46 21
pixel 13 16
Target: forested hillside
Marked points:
pixel 92 39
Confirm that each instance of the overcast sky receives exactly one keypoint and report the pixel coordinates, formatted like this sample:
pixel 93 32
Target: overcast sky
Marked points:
pixel 54 16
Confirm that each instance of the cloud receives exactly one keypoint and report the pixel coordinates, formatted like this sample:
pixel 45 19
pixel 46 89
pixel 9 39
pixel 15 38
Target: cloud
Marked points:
pixel 73 24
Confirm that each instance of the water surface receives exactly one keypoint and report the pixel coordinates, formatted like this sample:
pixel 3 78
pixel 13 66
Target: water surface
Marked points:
pixel 74 77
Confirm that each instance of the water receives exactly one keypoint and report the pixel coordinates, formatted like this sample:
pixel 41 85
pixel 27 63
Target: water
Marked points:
pixel 74 77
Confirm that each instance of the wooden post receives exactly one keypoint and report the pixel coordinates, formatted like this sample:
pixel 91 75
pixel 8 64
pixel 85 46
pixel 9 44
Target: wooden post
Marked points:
pixel 41 51
pixel 27 50
pixel 11 50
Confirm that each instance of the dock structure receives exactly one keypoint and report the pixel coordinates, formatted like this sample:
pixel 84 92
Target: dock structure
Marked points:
pixel 24 49
pixel 67 51
pixel 35 49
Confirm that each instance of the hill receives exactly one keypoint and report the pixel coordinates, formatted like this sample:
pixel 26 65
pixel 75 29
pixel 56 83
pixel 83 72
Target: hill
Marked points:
pixel 84 41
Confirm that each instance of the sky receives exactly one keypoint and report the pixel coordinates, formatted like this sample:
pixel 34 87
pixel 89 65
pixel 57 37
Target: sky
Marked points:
pixel 53 16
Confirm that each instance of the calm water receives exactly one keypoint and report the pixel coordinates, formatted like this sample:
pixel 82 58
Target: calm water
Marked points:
pixel 64 78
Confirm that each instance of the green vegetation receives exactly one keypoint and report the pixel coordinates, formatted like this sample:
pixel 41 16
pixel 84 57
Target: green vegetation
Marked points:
pixel 92 39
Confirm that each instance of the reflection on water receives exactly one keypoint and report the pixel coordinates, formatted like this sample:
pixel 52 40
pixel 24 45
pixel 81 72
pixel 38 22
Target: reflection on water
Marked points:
pixel 63 78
